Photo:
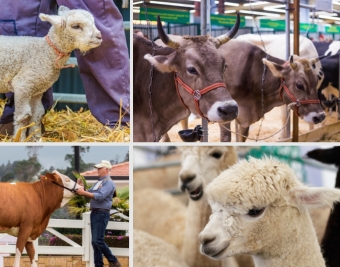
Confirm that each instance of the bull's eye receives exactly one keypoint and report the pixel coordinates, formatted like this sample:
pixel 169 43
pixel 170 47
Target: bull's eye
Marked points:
pixel 300 86
pixel 192 70
pixel 255 212
pixel 216 154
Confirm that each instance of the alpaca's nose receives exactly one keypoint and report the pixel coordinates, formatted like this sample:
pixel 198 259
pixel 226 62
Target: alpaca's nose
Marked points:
pixel 186 177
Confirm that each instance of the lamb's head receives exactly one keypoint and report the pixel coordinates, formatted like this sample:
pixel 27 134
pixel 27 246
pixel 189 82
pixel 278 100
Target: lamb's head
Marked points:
pixel 200 165
pixel 258 205
pixel 73 29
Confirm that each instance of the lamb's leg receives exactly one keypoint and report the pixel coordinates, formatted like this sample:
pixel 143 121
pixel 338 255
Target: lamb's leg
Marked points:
pixel 22 112
pixel 38 112
pixel 31 252
pixel 225 135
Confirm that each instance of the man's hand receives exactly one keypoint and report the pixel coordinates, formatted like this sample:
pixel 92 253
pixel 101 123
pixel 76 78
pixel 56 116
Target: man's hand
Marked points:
pixel 80 191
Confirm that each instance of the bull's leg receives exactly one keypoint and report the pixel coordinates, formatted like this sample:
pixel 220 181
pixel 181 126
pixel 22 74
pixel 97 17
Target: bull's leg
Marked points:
pixel 31 252
pixel 245 132
pixel 225 135
pixel 23 236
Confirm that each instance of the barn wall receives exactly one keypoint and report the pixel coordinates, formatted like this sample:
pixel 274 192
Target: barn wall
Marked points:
pixel 58 261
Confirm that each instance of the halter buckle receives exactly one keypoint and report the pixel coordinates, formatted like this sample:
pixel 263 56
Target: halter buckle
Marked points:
pixel 298 102
pixel 197 95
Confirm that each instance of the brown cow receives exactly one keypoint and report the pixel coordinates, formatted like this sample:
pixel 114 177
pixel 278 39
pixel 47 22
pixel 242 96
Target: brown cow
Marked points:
pixel 196 61
pixel 27 207
pixel 244 78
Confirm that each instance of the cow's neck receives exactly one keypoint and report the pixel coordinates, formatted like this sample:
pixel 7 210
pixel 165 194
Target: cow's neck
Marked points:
pixel 47 190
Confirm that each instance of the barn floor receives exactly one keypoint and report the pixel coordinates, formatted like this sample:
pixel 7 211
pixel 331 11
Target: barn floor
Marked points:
pixel 271 124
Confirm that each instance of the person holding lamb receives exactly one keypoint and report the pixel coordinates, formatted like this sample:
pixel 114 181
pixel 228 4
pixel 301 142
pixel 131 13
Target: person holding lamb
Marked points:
pixel 260 208
pixel 104 70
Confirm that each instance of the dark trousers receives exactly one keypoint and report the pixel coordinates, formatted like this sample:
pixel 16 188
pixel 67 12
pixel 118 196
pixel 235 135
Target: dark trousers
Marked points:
pixel 99 221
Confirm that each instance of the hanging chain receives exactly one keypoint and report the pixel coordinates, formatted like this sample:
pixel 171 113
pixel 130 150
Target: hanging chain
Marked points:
pixel 289 106
pixel 151 74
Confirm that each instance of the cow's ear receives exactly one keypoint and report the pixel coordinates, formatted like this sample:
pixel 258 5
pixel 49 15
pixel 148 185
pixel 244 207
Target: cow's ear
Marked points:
pixel 51 177
pixel 162 63
pixel 42 177
pixel 276 69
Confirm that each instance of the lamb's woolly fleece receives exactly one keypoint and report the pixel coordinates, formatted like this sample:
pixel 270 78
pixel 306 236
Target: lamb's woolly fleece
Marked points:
pixel 28 64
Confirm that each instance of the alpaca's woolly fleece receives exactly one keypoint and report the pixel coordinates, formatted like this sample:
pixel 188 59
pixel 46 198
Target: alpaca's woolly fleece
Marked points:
pixel 30 65
pixel 260 208
pixel 152 251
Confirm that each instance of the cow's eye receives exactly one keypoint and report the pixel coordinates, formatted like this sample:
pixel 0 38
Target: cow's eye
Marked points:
pixel 192 70
pixel 255 212
pixel 300 86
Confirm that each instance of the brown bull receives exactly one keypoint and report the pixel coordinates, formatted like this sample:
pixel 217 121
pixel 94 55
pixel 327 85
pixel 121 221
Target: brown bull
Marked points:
pixel 244 78
pixel 199 68
pixel 26 209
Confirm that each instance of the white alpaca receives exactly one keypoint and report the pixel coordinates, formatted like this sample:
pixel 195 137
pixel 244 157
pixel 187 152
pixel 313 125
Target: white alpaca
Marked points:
pixel 160 214
pixel 151 251
pixel 30 65
pixel 260 208
pixel 199 166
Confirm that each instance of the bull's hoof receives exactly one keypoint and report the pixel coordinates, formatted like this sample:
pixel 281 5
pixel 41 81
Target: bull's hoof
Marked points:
pixel 7 128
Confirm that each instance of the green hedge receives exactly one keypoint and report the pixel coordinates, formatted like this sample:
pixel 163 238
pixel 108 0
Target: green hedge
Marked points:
pixel 111 241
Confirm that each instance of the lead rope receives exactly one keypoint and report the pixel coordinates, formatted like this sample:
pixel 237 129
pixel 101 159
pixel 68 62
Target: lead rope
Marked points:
pixel 151 75
pixel 289 106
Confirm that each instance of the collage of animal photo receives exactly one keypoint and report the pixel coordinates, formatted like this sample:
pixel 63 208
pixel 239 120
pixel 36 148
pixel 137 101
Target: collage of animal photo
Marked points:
pixel 221 117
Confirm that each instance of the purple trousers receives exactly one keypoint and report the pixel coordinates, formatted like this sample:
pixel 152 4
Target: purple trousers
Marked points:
pixel 105 70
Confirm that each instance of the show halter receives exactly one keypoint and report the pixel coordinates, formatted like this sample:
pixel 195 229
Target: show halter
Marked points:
pixel 73 190
pixel 197 94
pixel 60 55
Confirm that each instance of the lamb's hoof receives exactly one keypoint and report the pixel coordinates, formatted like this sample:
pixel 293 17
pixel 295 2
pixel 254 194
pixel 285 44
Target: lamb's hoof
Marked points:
pixel 7 128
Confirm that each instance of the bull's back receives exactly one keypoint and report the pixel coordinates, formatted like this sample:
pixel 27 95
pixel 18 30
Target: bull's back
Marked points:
pixel 17 201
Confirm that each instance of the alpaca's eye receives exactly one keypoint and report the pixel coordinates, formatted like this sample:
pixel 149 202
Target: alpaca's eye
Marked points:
pixel 192 70
pixel 216 155
pixel 255 212
pixel 76 27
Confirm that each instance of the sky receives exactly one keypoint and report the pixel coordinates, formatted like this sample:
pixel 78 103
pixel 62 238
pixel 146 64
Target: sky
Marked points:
pixel 54 155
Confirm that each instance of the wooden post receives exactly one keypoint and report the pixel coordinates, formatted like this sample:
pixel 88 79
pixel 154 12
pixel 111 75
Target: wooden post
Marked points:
pixel 296 52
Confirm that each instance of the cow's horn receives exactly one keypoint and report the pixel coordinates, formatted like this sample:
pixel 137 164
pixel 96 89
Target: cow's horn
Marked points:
pixel 292 64
pixel 164 37
pixel 222 39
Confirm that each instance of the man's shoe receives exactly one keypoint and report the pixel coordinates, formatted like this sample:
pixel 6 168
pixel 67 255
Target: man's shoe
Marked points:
pixel 7 128
pixel 115 264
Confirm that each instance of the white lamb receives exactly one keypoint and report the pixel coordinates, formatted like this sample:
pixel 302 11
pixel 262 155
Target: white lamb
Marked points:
pixel 260 208
pixel 30 65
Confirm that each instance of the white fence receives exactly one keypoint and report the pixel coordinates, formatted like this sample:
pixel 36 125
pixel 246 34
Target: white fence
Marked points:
pixel 85 250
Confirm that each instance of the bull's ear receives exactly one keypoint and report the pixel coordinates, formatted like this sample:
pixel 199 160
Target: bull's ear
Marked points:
pixel 314 197
pixel 42 177
pixel 276 69
pixel 162 63
pixel 50 176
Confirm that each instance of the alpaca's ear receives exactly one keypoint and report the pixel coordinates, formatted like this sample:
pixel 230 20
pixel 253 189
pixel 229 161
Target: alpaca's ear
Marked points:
pixel 315 196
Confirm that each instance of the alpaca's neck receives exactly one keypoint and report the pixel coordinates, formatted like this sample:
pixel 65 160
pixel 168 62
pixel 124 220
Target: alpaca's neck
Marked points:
pixel 198 213
pixel 299 247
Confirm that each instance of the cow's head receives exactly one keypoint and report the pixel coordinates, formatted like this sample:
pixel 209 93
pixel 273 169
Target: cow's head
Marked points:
pixel 302 82
pixel 198 64
pixel 65 181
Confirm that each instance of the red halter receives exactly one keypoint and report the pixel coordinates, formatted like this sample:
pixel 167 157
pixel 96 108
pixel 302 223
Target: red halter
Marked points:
pixel 195 93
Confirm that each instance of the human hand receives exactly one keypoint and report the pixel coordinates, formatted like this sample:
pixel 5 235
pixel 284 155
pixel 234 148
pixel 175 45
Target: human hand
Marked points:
pixel 80 191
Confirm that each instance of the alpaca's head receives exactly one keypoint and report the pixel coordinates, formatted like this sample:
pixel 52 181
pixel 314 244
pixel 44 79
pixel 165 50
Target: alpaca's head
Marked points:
pixel 200 165
pixel 258 205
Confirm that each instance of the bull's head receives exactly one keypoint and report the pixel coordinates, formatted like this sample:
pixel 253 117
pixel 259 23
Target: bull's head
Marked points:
pixel 198 63
pixel 302 82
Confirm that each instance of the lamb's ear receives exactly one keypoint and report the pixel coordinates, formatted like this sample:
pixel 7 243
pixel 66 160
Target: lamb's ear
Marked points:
pixel 162 63
pixel 313 197
pixel 53 19
pixel 62 10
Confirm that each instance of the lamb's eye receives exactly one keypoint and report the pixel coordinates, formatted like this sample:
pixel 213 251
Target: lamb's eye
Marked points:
pixel 76 27
pixel 255 212
pixel 216 154
pixel 300 86
pixel 192 70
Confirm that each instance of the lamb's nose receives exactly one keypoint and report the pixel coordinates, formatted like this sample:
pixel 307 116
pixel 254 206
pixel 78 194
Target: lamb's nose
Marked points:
pixel 99 36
